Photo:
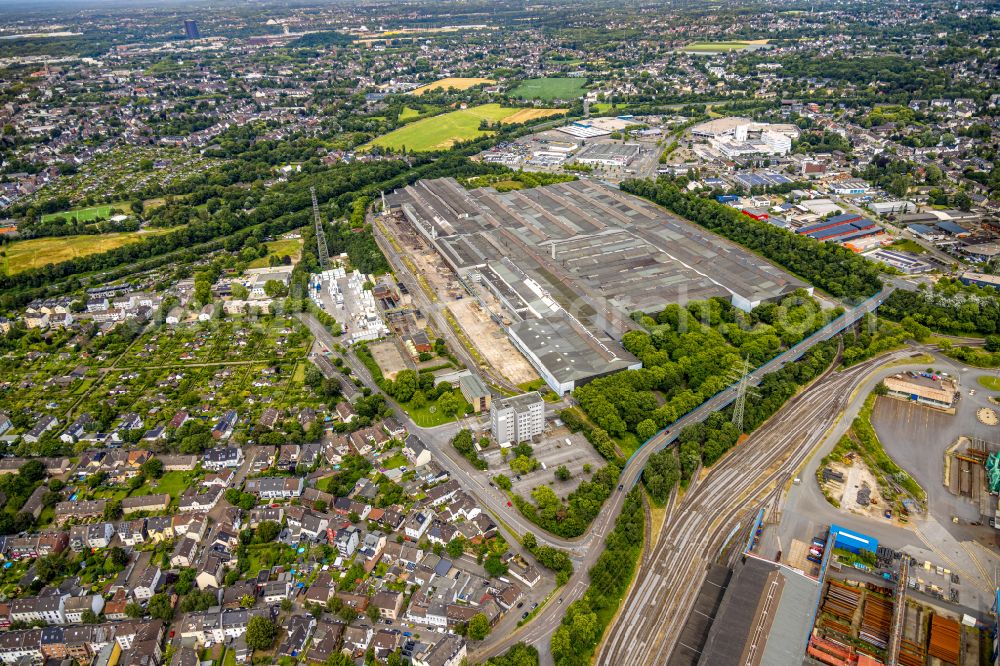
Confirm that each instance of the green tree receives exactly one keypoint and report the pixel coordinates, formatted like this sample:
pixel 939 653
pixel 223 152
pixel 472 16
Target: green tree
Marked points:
pixel 159 607
pixel 275 289
pixel 494 565
pixel 260 633
pixel 133 610
pixel 456 547
pixel 32 471
pixel 113 510
pixel 267 531
pixel 152 468
pixel 562 473
pixel 479 627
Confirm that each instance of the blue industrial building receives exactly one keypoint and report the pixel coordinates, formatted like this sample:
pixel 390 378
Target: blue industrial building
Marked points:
pixel 852 541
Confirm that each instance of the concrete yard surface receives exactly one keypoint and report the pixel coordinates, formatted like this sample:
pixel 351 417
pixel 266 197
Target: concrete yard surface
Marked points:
pixel 492 342
pixel 390 360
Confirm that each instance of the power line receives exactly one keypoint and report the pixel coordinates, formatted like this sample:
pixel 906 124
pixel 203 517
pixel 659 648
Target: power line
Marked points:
pixel 323 252
pixel 741 394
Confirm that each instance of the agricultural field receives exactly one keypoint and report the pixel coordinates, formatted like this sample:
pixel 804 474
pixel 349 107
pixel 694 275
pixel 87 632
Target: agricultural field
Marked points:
pixel 291 247
pixel 441 132
pixel 527 115
pixel 457 83
pixel 208 367
pixel 550 88
pixel 86 214
pixel 37 252
pixel 122 172
pixel 46 376
pixel 271 339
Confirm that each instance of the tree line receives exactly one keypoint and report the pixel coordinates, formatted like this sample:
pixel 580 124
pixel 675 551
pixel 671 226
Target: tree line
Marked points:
pixel 574 641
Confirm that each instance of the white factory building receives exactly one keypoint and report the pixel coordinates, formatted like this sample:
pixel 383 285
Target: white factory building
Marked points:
pixel 735 137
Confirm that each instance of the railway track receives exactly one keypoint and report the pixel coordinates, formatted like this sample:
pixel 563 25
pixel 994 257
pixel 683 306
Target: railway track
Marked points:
pixel 729 494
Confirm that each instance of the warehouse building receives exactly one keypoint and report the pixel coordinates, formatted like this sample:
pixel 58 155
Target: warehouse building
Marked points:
pixel 759 614
pixel 924 389
pixel 609 154
pixel 571 263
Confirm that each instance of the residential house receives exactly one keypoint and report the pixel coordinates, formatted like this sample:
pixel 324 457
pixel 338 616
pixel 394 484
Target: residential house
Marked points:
pixel 75 607
pixel 416 452
pixel 388 603
pixel 85 510
pixel 149 583
pixel 49 609
pixel 346 540
pixel 42 426
pixel 219 458
pixel 211 573
pixel 449 651
pixel 184 553
pixel 298 629
pixel 417 524
pixel 195 499
pixel 224 426
pixel 279 487
pixel 152 503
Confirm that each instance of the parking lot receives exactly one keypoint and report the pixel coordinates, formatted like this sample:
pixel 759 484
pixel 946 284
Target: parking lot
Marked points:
pixel 559 447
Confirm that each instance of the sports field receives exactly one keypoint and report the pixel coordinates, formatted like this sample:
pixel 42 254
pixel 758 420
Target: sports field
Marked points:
pixel 37 252
pixel 451 82
pixel 291 247
pixel 84 214
pixel 441 132
pixel 720 47
pixel 550 88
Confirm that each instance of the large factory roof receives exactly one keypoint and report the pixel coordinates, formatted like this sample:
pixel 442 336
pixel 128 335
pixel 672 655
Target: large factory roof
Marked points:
pixel 612 246
pixel 571 262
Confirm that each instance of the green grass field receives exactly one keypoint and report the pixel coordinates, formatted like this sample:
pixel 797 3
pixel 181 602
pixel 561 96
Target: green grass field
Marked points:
pixel 408 114
pixel 37 252
pixel 604 107
pixel 550 88
pixel 291 247
pixel 989 381
pixel 172 483
pixel 441 132
pixel 84 214
pixel 715 47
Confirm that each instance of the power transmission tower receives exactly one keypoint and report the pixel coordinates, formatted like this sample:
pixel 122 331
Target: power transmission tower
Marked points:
pixel 741 394
pixel 323 250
